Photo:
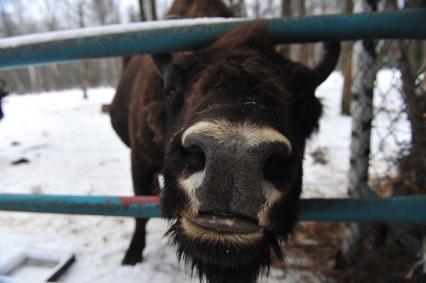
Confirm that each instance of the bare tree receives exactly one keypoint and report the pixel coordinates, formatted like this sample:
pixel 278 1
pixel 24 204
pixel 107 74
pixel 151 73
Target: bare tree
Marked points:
pixel 256 9
pixel 83 66
pixel 286 12
pixel 153 10
pixel 297 52
pixel 239 7
pixel 305 49
pixel 286 8
pixel 412 64
pixel 101 10
pixel 50 18
pixel 346 66
pixel 363 78
pixel 57 15
pixel 7 25
pixel 269 10
pixel 142 11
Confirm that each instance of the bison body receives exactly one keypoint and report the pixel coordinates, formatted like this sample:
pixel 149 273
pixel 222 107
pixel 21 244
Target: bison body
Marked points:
pixel 226 126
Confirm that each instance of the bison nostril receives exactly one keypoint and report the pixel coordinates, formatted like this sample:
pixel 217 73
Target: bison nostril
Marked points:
pixel 194 158
pixel 276 169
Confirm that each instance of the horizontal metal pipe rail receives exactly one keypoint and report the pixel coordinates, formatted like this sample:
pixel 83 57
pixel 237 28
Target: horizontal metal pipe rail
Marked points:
pixel 410 209
pixel 177 35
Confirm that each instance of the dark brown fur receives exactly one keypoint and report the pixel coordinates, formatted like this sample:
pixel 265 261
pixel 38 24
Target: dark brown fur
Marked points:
pixel 241 78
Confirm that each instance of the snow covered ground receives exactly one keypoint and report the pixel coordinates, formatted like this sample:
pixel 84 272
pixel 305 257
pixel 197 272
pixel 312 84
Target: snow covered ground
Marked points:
pixel 72 149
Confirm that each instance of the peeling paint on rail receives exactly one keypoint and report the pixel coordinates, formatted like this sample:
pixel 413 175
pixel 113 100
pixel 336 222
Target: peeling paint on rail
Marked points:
pixel 138 200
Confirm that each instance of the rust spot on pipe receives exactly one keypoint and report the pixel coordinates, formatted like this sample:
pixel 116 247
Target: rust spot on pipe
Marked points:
pixel 138 200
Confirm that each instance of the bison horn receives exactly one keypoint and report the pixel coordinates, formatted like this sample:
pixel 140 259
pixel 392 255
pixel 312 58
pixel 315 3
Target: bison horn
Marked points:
pixel 327 64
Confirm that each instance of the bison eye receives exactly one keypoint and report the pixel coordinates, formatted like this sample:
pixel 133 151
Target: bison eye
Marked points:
pixel 170 92
pixel 276 169
pixel 194 158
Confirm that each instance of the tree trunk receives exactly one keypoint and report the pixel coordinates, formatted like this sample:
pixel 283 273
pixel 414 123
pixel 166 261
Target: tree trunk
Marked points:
pixel 33 78
pixel 286 8
pixel 153 9
pixel 286 12
pixel 346 66
pixel 83 65
pixel 238 7
pixel 413 166
pixel 363 77
pixel 243 9
pixel 142 11
pixel 411 62
pixel 305 49
pixel 256 8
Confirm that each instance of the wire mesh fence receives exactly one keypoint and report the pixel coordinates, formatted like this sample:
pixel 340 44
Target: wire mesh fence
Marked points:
pixel 383 120
pixel 388 142
pixel 391 128
pixel 392 132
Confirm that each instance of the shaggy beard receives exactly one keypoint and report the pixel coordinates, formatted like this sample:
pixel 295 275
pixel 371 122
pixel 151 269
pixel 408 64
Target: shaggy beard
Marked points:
pixel 225 262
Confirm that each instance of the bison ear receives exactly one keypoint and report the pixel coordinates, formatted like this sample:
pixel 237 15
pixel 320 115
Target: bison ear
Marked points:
pixel 161 62
pixel 169 72
pixel 321 72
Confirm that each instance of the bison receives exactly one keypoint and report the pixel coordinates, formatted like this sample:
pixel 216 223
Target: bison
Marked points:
pixel 3 94
pixel 225 128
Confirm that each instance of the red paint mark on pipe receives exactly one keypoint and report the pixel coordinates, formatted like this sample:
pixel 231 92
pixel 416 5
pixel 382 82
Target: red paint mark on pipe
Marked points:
pixel 138 200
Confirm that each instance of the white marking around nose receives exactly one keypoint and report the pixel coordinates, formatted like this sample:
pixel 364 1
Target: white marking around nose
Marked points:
pixel 190 184
pixel 272 195
pixel 194 181
pixel 161 183
pixel 248 133
pixel 198 232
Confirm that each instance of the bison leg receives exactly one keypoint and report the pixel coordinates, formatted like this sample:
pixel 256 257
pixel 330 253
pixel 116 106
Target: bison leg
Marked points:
pixel 142 177
pixel 134 252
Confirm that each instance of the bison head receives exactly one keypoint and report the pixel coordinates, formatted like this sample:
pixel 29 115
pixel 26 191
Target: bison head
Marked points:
pixel 237 118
